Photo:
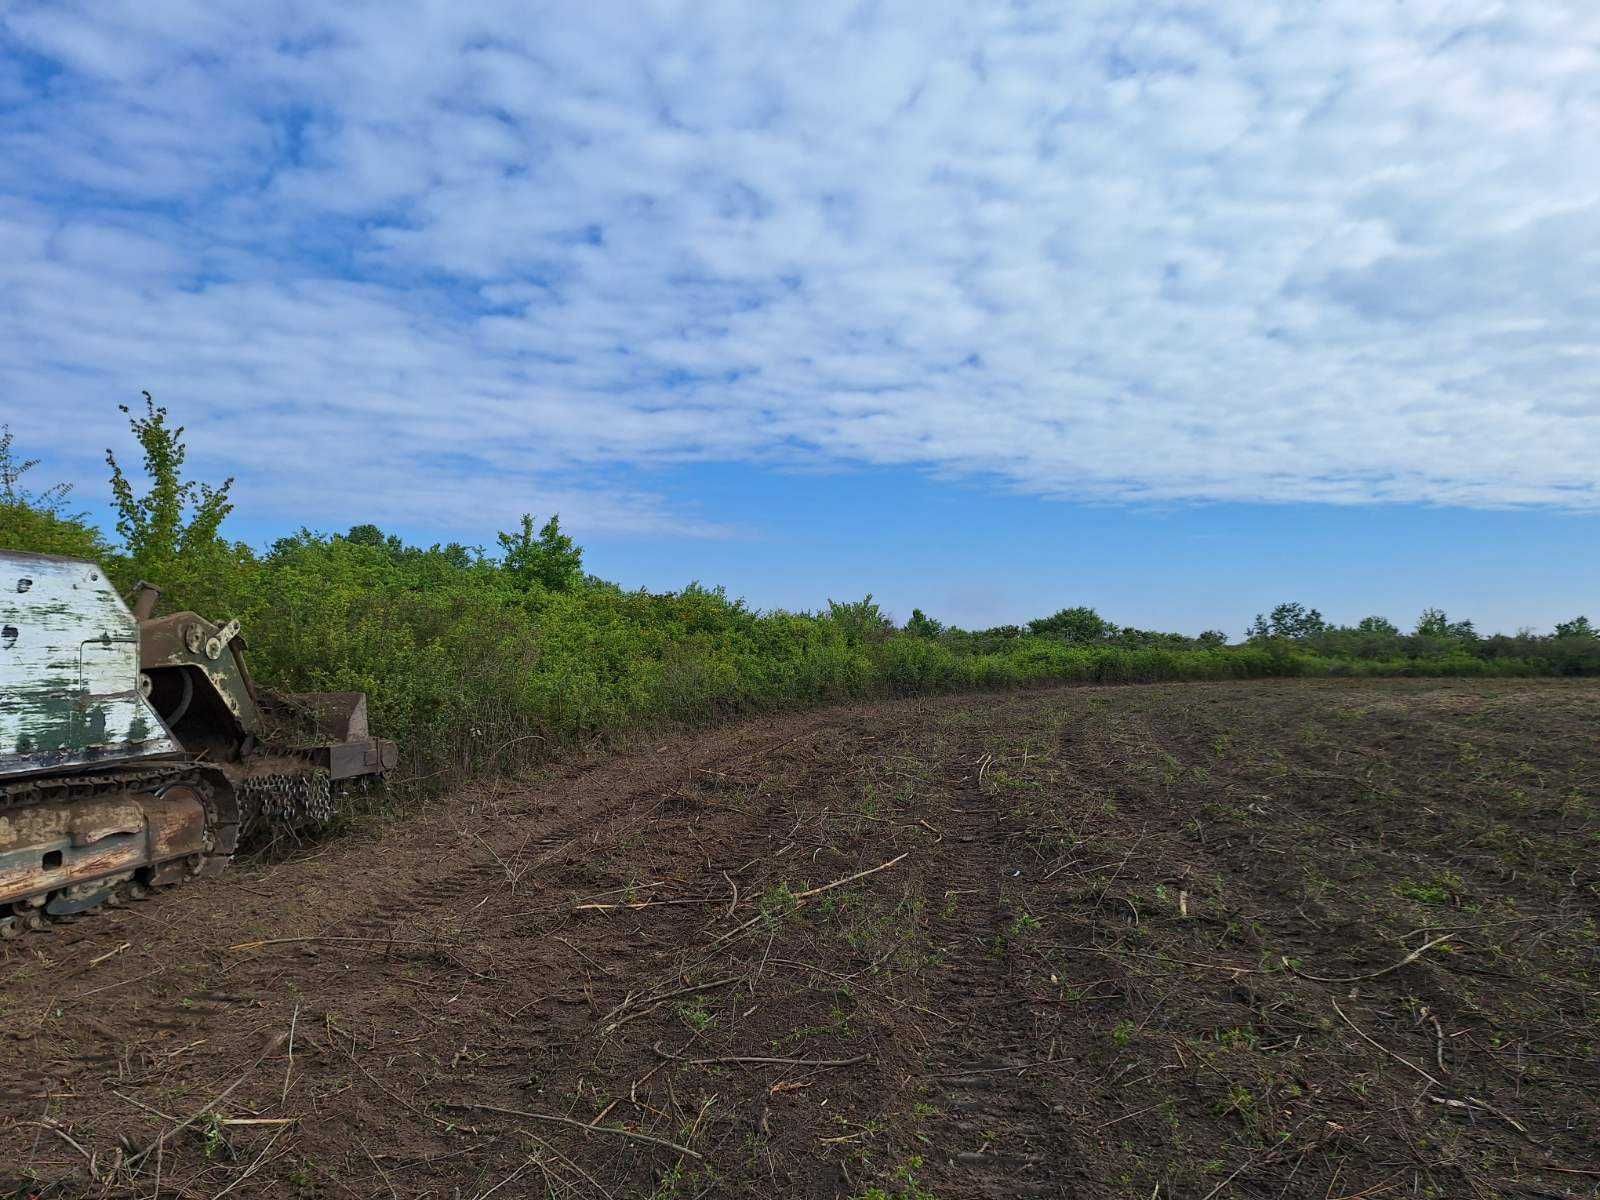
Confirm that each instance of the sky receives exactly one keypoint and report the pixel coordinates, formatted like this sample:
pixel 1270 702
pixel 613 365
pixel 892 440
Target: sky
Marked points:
pixel 1177 310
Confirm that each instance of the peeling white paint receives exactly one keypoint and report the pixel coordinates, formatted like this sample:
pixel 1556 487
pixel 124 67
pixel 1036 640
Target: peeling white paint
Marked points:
pixel 69 670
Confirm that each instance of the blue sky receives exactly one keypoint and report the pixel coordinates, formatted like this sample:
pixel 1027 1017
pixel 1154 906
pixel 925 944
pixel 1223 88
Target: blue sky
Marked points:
pixel 1173 309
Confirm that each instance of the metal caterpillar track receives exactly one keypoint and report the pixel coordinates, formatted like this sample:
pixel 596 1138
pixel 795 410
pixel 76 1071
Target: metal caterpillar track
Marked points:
pixel 43 789
pixel 112 892
pixel 31 801
pixel 242 807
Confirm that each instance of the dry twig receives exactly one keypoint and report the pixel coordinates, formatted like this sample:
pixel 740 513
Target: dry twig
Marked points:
pixel 800 898
pixel 56 1128
pixel 749 1058
pixel 555 1119
pixel 635 905
pixel 1472 1102
pixel 100 958
pixel 371 941
pixel 652 1002
pixel 1377 1046
pixel 1407 960
pixel 209 1106
pixel 289 1070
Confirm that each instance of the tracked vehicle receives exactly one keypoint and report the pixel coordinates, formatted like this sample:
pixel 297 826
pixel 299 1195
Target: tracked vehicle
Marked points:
pixel 136 751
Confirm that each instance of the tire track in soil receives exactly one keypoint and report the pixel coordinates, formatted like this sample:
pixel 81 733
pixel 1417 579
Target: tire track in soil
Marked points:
pixel 130 1035
pixel 528 851
pixel 993 1131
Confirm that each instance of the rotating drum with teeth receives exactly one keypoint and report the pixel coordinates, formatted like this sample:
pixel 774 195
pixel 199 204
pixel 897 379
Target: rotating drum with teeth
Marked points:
pixel 297 802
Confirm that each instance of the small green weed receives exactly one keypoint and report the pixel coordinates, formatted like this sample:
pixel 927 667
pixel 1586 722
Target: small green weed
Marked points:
pixel 694 1013
pixel 777 902
pixel 1024 923
pixel 1444 887
pixel 904 1185
pixel 213 1140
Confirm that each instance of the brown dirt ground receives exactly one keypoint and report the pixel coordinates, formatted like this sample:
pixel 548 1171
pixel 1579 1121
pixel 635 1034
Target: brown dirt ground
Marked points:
pixel 1163 941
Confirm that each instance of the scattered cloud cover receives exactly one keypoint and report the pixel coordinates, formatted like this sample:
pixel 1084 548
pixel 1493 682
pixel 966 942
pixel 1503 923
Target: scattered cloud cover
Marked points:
pixel 450 260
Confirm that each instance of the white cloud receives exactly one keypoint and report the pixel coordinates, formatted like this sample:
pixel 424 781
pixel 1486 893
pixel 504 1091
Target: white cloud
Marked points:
pixel 1232 251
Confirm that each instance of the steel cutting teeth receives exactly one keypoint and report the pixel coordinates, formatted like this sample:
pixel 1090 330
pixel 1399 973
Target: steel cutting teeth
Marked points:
pixel 296 801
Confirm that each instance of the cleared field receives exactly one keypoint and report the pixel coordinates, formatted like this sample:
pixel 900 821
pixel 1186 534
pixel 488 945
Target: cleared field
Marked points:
pixel 1332 939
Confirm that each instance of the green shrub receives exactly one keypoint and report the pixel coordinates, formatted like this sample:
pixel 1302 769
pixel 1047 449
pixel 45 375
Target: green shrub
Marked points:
pixel 34 522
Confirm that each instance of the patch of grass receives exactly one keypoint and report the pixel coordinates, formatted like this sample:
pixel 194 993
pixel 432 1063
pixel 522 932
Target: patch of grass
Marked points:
pixel 694 1013
pixel 1023 924
pixel 1238 1039
pixel 1443 888
pixel 903 1185
pixel 777 902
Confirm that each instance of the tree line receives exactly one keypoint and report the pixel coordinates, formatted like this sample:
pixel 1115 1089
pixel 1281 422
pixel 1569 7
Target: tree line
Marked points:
pixel 475 659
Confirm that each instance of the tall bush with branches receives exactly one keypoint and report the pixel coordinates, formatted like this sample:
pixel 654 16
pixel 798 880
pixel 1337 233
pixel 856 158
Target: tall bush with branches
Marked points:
pixel 1080 625
pixel 1292 620
pixel 174 518
pixel 549 559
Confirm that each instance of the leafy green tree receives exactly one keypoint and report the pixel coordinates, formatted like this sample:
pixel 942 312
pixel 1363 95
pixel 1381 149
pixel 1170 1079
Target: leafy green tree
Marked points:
pixel 1578 627
pixel 1433 623
pixel 35 523
pixel 176 517
pixel 1378 626
pixel 549 558
pixel 12 469
pixel 1292 620
pixel 371 535
pixel 1080 624
pixel 923 626
pixel 422 567
pixel 1212 639
pixel 860 621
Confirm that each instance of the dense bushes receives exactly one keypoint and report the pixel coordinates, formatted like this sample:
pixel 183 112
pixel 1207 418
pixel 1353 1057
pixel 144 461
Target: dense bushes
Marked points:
pixel 472 662
pixel 36 521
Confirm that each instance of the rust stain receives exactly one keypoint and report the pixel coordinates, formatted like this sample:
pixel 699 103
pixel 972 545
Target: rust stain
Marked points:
pixel 49 846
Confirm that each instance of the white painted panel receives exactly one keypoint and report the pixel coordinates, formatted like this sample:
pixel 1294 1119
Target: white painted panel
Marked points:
pixel 69 670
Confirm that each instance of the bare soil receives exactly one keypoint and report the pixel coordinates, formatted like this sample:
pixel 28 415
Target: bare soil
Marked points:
pixel 1332 939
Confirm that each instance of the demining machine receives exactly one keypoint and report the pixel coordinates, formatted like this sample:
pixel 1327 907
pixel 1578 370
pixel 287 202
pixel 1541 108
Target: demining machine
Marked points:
pixel 137 752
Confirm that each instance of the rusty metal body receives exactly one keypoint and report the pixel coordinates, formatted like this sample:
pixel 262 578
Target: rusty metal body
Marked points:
pixel 47 849
pixel 136 750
